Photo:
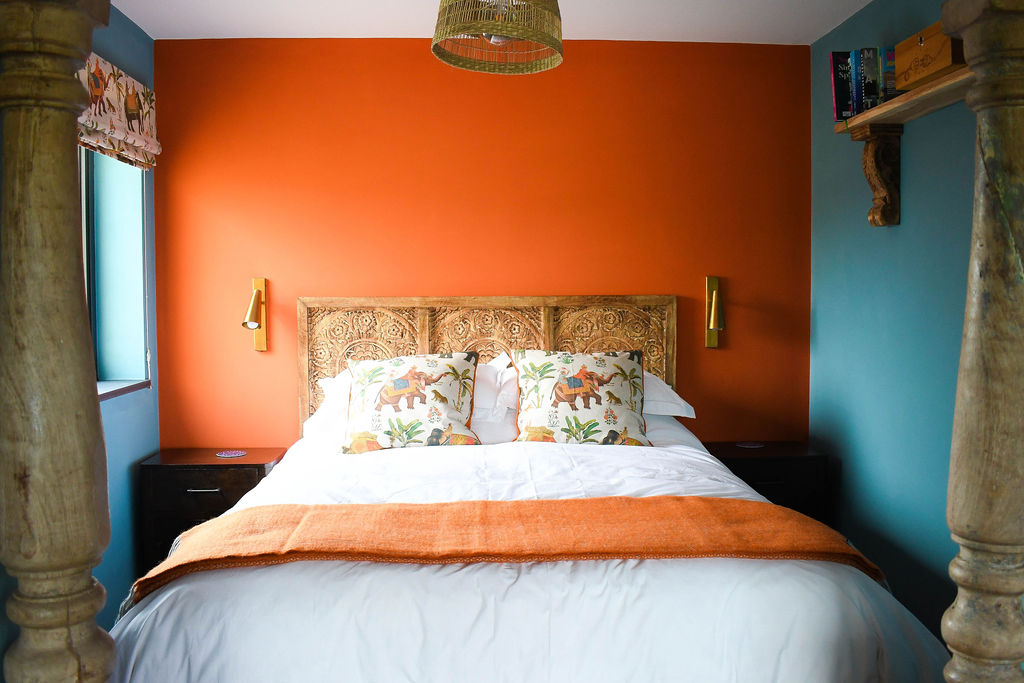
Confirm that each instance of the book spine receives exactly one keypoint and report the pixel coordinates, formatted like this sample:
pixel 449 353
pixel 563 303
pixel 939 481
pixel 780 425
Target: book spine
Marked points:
pixel 888 67
pixel 855 82
pixel 869 78
pixel 842 94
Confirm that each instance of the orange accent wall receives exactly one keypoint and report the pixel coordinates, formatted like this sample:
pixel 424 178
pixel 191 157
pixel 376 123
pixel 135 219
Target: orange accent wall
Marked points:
pixel 367 167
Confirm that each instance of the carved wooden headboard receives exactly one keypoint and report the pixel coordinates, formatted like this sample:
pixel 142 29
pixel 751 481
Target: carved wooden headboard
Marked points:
pixel 332 330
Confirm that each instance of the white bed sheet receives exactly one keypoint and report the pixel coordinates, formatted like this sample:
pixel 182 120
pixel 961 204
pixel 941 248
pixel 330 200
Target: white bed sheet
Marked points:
pixel 624 620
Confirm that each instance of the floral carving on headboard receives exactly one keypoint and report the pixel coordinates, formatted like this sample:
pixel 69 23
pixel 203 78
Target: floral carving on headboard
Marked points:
pixel 335 336
pixel 487 331
pixel 332 330
pixel 615 327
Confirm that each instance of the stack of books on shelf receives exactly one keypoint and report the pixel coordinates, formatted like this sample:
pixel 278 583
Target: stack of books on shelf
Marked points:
pixel 862 79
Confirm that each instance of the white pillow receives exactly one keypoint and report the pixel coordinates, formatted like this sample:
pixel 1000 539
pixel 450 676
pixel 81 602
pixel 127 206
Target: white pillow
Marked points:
pixel 508 389
pixel 331 417
pixel 493 421
pixel 485 391
pixel 502 430
pixel 489 404
pixel 495 395
pixel 337 387
pixel 665 430
pixel 659 399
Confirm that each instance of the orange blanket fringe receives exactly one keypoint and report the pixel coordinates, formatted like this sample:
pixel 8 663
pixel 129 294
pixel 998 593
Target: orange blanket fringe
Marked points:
pixel 505 531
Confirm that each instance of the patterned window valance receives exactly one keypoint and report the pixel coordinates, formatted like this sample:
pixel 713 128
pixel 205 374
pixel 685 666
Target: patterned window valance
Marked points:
pixel 120 120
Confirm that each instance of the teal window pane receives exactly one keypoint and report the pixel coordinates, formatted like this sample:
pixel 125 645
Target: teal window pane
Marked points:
pixel 118 264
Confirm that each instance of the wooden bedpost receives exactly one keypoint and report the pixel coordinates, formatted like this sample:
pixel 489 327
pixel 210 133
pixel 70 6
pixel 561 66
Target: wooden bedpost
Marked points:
pixel 984 627
pixel 54 516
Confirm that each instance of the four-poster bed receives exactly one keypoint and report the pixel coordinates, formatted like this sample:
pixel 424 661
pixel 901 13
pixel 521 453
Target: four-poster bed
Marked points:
pixel 55 524
pixel 653 611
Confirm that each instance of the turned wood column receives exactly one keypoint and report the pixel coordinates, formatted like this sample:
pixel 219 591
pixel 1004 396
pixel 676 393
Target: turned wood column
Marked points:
pixel 55 521
pixel 984 627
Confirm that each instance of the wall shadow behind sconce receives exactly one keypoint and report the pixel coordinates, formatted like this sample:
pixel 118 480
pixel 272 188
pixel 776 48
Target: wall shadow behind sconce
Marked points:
pixel 713 320
pixel 256 315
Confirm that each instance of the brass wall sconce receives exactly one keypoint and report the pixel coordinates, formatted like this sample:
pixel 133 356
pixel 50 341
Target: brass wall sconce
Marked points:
pixel 256 316
pixel 712 313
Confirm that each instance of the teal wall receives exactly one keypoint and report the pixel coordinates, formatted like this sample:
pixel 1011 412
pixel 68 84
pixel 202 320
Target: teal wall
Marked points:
pixel 886 316
pixel 129 422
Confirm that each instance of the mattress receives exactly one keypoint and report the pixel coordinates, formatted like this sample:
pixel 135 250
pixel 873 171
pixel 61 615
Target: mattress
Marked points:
pixel 708 619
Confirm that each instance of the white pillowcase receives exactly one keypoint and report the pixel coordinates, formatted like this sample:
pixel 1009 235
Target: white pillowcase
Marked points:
pixel 659 399
pixel 662 430
pixel 495 396
pixel 497 431
pixel 337 387
pixel 331 418
pixel 665 430
pixel 489 402
pixel 493 393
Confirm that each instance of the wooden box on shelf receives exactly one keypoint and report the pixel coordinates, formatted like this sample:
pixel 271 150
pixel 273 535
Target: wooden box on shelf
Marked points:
pixel 927 55
pixel 182 487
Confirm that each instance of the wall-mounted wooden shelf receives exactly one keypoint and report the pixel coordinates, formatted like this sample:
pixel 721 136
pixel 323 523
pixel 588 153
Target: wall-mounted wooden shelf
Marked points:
pixel 880 129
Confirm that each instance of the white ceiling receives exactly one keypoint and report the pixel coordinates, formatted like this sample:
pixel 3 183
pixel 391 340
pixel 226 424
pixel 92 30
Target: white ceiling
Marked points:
pixel 793 22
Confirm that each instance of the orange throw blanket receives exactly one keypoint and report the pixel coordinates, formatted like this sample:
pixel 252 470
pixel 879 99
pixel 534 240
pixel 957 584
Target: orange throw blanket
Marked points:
pixel 504 531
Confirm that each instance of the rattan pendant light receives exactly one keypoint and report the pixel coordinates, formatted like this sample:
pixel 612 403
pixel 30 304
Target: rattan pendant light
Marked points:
pixel 499 36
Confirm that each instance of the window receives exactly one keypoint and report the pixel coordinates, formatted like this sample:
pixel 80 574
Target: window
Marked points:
pixel 113 239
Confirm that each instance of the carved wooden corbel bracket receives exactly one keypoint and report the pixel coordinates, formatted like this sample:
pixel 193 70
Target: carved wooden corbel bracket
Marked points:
pixel 881 162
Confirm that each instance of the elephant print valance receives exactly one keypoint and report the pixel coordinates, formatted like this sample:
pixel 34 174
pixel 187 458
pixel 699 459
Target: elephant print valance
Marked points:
pixel 120 120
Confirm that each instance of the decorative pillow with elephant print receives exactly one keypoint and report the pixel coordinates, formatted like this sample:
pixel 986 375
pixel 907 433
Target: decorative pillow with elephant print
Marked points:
pixel 593 398
pixel 411 401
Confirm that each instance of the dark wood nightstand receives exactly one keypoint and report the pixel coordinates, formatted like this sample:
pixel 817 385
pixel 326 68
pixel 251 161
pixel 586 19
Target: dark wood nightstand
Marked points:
pixel 181 487
pixel 788 473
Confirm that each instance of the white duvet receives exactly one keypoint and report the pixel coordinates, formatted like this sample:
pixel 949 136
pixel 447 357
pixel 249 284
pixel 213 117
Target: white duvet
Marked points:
pixel 700 620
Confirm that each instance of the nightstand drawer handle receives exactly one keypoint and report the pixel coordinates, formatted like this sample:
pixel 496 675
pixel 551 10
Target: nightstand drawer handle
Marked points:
pixel 216 490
